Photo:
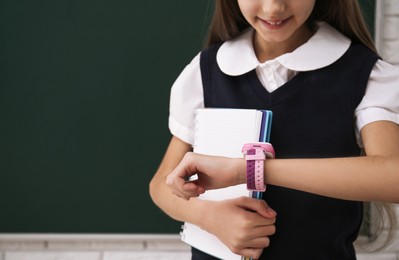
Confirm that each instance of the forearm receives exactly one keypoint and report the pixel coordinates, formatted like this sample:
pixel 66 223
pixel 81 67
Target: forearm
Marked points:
pixel 177 208
pixel 357 178
pixel 366 178
pixel 374 177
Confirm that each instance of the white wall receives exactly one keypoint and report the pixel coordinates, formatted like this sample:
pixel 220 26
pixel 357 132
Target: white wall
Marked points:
pixel 387 41
pixel 387 30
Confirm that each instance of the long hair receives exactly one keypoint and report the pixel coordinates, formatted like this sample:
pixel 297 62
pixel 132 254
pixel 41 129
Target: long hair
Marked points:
pixel 227 22
pixel 345 16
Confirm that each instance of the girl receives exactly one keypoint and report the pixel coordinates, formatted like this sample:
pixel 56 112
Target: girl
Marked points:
pixel 313 63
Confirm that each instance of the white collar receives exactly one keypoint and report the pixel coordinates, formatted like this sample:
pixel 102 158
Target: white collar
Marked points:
pixel 327 45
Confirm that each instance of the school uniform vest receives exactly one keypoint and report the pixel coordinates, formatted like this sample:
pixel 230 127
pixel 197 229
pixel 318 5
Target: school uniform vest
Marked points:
pixel 313 117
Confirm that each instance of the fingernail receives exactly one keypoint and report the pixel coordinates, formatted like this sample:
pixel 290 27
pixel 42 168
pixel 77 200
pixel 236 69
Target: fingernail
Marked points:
pixel 271 211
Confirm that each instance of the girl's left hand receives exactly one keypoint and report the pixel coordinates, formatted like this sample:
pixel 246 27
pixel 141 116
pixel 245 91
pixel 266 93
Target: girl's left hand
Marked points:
pixel 213 173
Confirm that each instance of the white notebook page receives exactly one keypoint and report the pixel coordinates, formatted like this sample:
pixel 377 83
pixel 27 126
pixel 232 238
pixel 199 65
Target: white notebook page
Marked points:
pixel 221 132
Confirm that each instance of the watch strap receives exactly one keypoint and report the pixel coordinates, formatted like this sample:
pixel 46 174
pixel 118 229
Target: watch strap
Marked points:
pixel 255 156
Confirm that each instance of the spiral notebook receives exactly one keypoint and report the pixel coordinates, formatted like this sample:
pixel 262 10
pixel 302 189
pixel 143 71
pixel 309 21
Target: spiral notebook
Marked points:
pixel 222 132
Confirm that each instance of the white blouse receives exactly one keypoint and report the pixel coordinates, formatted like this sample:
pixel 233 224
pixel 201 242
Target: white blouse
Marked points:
pixel 327 45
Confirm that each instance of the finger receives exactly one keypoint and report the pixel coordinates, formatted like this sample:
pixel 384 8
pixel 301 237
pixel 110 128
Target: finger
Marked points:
pixel 192 189
pixel 173 184
pixel 175 187
pixel 251 253
pixel 263 209
pixel 266 212
pixel 179 194
pixel 261 221
pixel 257 236
pixel 183 189
pixel 173 180
pixel 261 232
pixel 259 206
pixel 258 243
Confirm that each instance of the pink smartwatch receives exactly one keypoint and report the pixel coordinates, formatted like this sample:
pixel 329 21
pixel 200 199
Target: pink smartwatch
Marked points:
pixel 255 154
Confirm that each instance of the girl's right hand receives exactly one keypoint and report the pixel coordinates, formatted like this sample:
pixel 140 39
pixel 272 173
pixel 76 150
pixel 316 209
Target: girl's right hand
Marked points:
pixel 213 172
pixel 243 224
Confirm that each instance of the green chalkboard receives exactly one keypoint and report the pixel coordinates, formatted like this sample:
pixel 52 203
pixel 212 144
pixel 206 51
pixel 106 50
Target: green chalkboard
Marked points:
pixel 84 92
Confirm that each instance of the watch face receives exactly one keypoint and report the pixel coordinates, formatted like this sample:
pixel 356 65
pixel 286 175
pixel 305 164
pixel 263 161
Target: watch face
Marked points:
pixel 264 146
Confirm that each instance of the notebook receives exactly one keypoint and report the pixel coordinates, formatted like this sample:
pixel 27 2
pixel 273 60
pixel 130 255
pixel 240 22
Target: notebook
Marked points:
pixel 222 132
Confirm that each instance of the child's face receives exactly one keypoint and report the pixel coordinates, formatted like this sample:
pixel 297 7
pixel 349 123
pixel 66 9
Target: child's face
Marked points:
pixel 278 21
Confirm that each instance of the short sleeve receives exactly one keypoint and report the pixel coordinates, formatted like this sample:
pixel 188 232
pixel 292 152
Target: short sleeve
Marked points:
pixel 381 100
pixel 186 97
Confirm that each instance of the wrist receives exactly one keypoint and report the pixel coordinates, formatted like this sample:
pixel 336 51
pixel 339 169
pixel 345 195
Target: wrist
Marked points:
pixel 255 155
pixel 240 172
pixel 200 212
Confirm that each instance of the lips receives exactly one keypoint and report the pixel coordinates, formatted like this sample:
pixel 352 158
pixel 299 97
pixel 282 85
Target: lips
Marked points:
pixel 274 23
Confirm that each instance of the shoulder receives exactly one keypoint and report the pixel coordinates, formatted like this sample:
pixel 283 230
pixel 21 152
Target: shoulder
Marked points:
pixel 212 48
pixel 361 50
pixel 208 55
pixel 380 102
pixel 359 58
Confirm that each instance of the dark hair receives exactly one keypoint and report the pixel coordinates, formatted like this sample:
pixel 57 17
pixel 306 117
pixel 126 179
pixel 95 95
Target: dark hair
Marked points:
pixel 344 15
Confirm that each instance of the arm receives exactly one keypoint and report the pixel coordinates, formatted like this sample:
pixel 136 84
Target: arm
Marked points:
pixel 374 177
pixel 253 219
pixel 161 195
